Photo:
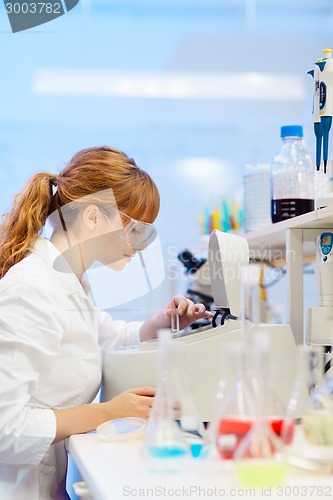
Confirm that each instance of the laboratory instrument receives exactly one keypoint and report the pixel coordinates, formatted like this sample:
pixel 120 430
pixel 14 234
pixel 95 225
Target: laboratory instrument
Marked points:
pixel 320 318
pixel 292 179
pixel 322 104
pixel 134 366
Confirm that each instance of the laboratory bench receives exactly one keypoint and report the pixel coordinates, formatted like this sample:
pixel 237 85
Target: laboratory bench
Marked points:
pixel 117 470
pixel 291 240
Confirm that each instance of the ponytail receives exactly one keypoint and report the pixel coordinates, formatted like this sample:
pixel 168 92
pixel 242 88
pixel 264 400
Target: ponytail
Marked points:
pixel 24 222
pixel 90 171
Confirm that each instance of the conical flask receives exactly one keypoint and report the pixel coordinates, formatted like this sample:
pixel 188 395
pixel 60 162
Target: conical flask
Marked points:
pixel 259 457
pixel 223 390
pixel 237 411
pixel 308 376
pixel 236 408
pixel 257 346
pixel 174 427
pixel 317 415
pixel 163 437
pixel 188 417
pixel 310 448
pixel 221 429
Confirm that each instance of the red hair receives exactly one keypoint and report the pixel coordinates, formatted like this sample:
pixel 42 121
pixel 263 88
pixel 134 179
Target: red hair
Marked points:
pixel 92 170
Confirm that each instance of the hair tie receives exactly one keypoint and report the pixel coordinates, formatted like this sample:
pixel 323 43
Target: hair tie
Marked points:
pixel 54 181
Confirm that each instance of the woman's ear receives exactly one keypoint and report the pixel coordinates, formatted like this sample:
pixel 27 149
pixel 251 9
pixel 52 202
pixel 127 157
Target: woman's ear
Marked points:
pixel 90 216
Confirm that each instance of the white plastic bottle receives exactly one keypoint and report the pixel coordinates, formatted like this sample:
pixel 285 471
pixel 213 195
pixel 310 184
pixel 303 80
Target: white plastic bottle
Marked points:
pixel 292 177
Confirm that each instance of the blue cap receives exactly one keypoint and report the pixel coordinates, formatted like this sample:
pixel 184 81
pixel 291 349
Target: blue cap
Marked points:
pixel 292 131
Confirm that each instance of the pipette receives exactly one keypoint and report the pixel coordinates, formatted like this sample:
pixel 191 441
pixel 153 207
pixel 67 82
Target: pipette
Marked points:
pixel 326 122
pixel 316 115
pixel 322 104
pixel 325 101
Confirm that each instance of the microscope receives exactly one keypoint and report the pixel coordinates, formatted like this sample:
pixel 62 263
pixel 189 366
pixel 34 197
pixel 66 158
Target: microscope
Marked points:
pixel 197 270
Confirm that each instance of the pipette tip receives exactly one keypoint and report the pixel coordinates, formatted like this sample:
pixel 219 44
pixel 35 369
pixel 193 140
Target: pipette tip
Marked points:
pixel 325 166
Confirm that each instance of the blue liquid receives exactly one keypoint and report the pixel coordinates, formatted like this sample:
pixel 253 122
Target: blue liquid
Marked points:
pixel 166 451
pixel 196 449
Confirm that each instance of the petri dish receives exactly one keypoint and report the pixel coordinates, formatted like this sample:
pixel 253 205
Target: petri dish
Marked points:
pixel 121 429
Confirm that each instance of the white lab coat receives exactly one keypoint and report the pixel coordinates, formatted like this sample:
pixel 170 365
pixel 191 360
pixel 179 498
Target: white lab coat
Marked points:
pixel 50 339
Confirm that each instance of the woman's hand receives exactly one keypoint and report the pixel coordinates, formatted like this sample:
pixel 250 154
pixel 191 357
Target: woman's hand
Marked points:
pixel 132 403
pixel 188 313
pixel 84 418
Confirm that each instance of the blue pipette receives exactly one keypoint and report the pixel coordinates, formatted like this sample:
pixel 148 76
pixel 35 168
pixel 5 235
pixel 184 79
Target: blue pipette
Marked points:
pixel 326 122
pixel 322 104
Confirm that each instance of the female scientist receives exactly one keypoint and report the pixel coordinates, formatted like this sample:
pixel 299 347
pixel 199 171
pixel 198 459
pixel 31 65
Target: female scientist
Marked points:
pixel 101 207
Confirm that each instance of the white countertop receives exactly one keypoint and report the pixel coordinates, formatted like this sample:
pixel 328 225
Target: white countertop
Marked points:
pixel 116 471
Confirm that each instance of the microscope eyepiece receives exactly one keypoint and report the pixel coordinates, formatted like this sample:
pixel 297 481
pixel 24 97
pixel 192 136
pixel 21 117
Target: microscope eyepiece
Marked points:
pixel 191 263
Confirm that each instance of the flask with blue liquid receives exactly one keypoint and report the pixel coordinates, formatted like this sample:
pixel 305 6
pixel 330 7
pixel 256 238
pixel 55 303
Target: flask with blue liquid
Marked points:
pixel 174 428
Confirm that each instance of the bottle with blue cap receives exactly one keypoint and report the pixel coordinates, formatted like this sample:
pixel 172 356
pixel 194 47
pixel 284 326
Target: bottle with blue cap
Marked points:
pixel 292 177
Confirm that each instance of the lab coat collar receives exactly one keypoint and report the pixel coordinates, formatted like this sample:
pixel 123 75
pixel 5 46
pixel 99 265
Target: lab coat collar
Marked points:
pixel 49 253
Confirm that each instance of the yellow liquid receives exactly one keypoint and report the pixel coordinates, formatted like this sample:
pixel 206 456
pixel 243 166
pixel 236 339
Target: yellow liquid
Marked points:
pixel 318 427
pixel 256 473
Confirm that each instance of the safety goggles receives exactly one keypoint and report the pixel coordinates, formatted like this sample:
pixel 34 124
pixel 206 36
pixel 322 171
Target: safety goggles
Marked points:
pixel 137 234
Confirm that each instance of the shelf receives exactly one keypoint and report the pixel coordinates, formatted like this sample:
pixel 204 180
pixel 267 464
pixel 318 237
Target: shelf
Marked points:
pixel 274 236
